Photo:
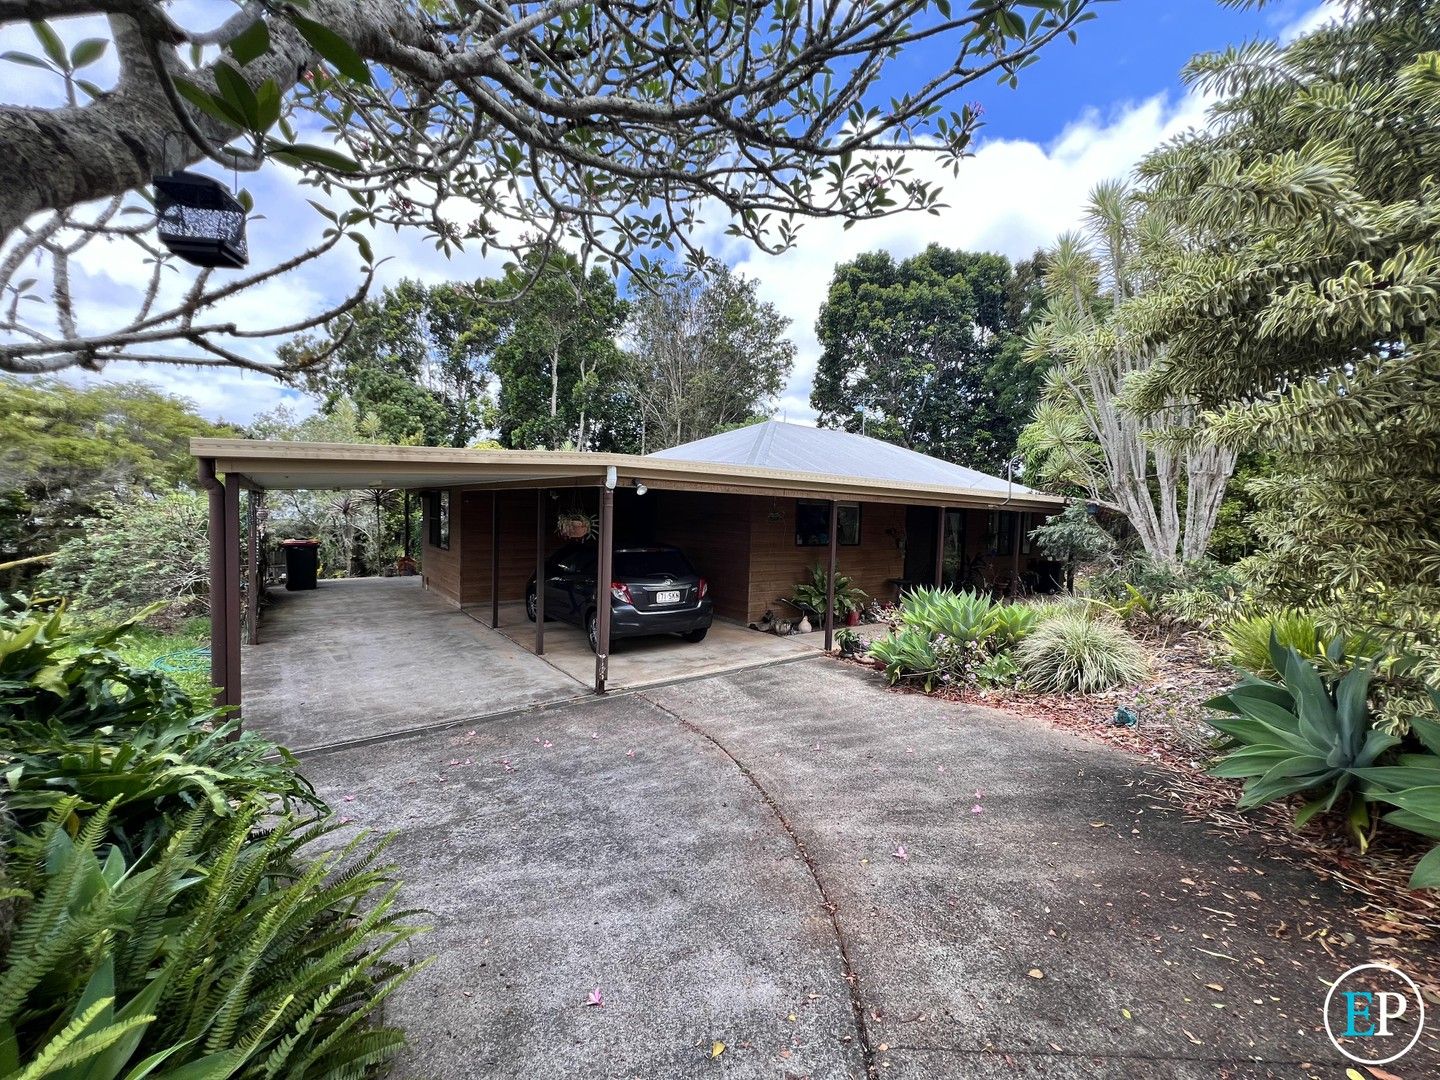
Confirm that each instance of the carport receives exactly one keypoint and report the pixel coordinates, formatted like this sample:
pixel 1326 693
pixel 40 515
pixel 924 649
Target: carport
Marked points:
pixel 488 518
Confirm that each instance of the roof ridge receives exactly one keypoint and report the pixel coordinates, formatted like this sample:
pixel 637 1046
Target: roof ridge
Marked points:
pixel 761 446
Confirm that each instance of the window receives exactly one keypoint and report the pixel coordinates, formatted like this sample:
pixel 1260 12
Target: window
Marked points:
pixel 812 524
pixel 1002 531
pixel 440 520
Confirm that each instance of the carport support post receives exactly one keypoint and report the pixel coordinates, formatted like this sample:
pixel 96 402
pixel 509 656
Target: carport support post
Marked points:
pixel 539 573
pixel 252 573
pixel 224 500
pixel 232 592
pixel 830 577
pixel 495 562
pixel 604 563
pixel 940 550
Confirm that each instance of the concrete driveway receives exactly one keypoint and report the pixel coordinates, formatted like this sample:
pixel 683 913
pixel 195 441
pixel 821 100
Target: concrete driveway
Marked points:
pixel 718 858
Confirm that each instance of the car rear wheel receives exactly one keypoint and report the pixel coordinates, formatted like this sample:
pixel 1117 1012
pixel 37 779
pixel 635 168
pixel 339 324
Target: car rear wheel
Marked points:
pixel 530 605
pixel 592 631
pixel 696 636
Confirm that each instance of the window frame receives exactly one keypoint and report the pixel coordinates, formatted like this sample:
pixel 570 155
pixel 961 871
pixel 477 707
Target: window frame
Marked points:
pixel 841 508
pixel 439 524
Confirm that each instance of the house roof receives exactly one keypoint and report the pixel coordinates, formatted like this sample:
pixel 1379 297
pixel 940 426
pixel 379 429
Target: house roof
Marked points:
pixel 774 444
pixel 282 465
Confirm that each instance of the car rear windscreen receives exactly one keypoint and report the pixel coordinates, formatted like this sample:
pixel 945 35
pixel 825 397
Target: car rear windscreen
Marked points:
pixel 650 562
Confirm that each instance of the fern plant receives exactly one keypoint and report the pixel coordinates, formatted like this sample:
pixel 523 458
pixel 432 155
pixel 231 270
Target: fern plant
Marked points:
pixel 221 954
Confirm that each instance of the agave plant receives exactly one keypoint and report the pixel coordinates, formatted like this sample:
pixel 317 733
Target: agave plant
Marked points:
pixel 1305 733
pixel 908 653
pixel 1012 624
pixel 961 616
pixel 1412 785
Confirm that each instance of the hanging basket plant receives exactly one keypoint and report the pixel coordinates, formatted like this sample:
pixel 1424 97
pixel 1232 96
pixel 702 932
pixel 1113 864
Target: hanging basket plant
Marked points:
pixel 576 524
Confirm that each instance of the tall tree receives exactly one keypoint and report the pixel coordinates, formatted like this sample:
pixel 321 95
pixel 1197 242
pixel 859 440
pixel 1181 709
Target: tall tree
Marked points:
pixel 924 353
pixel 1155 467
pixel 556 358
pixel 63 448
pixel 704 354
pixel 414 360
pixel 606 124
pixel 1301 308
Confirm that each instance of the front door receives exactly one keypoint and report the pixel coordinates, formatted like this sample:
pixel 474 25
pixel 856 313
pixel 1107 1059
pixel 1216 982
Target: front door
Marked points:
pixel 920 525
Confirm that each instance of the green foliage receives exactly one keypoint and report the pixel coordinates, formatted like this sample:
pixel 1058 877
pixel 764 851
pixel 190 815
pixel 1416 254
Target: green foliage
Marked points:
pixel 1073 535
pixel 413 361
pixel 65 448
pixel 1155 467
pixel 1144 582
pixel 953 638
pixel 813 595
pixel 1076 652
pixel 1314 732
pixel 138 550
pixel 217 953
pixel 1300 309
pixel 172 912
pixel 964 616
pixel 998 671
pixel 1248 639
pixel 560 371
pixel 704 355
pixel 849 642
pixel 83 726
pixel 925 352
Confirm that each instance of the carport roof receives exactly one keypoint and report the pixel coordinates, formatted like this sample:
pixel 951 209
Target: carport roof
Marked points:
pixel 280 465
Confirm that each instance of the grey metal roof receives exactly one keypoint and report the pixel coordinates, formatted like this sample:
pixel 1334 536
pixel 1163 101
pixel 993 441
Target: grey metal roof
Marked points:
pixel 774 444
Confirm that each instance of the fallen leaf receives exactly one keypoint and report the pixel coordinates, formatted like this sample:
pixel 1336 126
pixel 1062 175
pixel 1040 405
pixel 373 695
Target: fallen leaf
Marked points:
pixel 1126 1013
pixel 716 1049
pixel 1214 986
pixel 1099 824
pixel 1380 1074
pixel 1035 973
pixel 791 1018
pixel 1192 1038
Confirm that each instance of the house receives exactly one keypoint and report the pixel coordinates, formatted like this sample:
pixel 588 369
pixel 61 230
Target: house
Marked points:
pixel 751 508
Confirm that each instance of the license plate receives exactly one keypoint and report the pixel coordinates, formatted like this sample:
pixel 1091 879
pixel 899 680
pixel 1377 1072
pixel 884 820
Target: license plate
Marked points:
pixel 667 597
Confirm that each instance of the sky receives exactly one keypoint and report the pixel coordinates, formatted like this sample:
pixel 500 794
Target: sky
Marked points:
pixel 1084 113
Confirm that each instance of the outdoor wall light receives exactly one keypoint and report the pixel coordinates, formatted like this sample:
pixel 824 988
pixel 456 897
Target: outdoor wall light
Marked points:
pixel 640 488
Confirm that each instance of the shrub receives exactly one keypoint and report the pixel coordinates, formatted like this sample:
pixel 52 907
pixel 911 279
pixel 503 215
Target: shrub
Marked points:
pixel 999 670
pixel 1313 732
pixel 81 722
pixel 1078 652
pixel 162 890
pixel 1248 640
pixel 908 654
pixel 140 549
pixel 219 952
pixel 1151 580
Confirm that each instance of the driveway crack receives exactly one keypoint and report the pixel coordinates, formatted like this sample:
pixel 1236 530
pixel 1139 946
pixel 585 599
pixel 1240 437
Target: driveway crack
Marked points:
pixel 832 908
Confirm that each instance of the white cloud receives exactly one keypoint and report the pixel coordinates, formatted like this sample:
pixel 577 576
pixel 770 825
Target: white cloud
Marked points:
pixel 1012 197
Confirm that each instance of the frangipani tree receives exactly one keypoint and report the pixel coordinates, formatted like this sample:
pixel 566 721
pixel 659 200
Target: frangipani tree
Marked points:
pixel 602 127
pixel 1152 466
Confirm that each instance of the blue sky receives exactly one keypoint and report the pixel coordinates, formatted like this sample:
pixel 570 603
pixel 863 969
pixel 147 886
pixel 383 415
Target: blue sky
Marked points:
pixel 1084 113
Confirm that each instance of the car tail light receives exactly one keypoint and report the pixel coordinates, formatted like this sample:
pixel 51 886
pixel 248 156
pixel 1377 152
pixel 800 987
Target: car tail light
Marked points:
pixel 620 591
pixel 704 588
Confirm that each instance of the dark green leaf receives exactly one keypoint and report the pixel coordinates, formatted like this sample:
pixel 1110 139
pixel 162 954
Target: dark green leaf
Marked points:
pixel 251 43
pixel 26 59
pixel 51 43
pixel 88 51
pixel 333 48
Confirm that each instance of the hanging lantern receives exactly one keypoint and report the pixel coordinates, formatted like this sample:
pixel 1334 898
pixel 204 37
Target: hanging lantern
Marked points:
pixel 200 221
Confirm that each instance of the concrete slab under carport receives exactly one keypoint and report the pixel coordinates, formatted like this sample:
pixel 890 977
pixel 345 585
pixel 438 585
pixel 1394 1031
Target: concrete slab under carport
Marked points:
pixel 653 661
pixel 367 657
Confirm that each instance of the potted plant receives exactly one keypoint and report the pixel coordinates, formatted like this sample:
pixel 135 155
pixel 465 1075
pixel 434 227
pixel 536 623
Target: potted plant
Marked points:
pixel 810 596
pixel 575 524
